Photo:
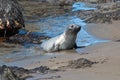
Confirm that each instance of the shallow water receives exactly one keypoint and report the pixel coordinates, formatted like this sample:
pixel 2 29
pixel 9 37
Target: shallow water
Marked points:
pixel 82 6
pixel 51 26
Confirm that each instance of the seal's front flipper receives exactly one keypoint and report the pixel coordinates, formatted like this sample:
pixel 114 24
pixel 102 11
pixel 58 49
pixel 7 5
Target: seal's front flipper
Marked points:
pixel 81 46
pixel 75 46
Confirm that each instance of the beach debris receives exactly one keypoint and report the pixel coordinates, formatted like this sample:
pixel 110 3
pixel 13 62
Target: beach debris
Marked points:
pixel 80 63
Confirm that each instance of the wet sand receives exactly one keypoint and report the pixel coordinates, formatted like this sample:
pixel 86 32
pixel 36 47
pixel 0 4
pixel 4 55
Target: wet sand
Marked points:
pixel 107 55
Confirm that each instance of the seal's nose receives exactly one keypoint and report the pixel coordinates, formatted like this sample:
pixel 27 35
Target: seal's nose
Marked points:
pixel 74 27
pixel 78 28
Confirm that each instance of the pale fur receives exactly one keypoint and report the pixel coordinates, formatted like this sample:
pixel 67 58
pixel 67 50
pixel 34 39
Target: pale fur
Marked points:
pixel 61 42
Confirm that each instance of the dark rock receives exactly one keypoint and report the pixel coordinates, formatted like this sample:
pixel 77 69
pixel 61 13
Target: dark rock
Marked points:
pixel 60 2
pixel 26 37
pixel 103 16
pixel 19 73
pixel 53 2
pixel 11 17
pixel 105 13
pixel 8 74
pixel 80 63
pixel 41 69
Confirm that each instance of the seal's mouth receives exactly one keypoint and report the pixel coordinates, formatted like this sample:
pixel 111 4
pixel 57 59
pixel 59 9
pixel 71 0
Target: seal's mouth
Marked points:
pixel 77 28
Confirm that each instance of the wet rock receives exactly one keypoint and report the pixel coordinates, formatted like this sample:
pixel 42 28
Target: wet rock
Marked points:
pixel 19 73
pixel 80 63
pixel 60 2
pixel 41 69
pixel 103 17
pixel 105 13
pixel 11 18
pixel 26 37
pixel 53 2
pixel 8 74
pixel 107 6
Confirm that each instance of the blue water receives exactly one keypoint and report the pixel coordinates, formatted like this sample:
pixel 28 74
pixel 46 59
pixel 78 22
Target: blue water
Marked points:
pixel 81 6
pixel 54 26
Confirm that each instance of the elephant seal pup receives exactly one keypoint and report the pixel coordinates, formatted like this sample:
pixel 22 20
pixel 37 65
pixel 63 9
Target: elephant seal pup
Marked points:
pixel 65 41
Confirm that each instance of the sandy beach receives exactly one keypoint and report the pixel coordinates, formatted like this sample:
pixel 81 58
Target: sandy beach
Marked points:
pixel 107 54
pixel 108 31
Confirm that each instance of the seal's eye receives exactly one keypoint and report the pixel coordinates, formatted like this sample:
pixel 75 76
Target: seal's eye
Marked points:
pixel 71 26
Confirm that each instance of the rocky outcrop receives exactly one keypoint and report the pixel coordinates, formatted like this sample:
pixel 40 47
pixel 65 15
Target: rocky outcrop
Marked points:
pixel 105 13
pixel 26 37
pixel 11 18
pixel 19 73
pixel 103 17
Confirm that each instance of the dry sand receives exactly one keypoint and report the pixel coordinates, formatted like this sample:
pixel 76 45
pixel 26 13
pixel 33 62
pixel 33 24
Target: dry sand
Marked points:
pixel 105 31
pixel 106 53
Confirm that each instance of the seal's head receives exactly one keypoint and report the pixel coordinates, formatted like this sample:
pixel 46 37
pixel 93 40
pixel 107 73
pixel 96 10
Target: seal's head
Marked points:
pixel 73 29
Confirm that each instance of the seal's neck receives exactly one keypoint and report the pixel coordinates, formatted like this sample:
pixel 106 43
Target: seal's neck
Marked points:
pixel 70 37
